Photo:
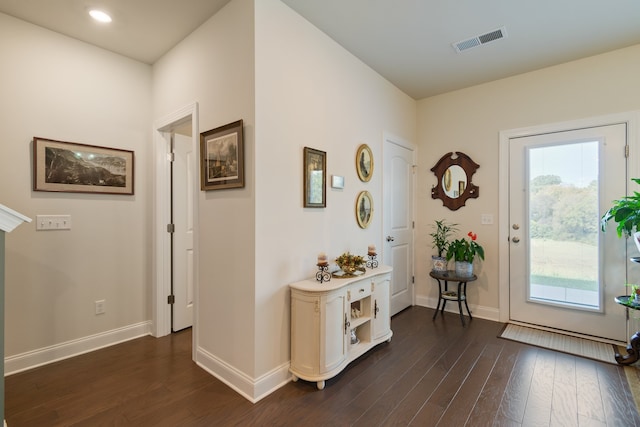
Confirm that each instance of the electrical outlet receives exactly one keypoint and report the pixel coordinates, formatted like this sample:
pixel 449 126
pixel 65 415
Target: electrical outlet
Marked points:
pixel 101 306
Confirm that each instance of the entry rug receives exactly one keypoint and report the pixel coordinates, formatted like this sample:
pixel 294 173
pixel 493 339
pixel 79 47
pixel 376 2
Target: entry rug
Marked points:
pixel 560 342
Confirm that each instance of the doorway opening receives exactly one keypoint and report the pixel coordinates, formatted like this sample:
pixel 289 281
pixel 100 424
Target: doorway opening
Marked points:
pixel 175 282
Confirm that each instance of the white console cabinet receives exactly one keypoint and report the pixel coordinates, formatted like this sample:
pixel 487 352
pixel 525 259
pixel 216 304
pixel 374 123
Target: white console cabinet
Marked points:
pixel 323 316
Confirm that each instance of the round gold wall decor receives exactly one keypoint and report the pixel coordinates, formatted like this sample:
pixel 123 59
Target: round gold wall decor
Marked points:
pixel 364 209
pixel 364 163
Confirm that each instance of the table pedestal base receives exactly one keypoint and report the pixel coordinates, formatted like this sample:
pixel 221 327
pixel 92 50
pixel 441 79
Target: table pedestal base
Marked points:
pixel 633 351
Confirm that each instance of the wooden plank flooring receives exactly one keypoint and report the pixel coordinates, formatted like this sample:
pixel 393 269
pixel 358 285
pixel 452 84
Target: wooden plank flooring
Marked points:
pixel 434 372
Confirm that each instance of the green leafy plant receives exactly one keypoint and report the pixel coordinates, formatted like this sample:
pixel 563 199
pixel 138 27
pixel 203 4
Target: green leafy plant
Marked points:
pixel 465 249
pixel 442 231
pixel 350 262
pixel 626 212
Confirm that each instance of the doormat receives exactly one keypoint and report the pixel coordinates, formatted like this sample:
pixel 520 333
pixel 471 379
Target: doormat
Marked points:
pixel 560 342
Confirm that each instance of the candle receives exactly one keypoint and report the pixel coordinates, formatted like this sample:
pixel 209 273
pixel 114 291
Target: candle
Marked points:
pixel 322 258
pixel 372 249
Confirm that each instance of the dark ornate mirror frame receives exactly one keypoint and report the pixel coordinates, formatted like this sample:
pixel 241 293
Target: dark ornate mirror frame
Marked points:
pixel 469 166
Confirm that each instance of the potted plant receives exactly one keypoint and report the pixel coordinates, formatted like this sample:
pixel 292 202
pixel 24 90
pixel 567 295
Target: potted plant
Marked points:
pixel 634 298
pixel 442 230
pixel 626 212
pixel 463 251
pixel 350 263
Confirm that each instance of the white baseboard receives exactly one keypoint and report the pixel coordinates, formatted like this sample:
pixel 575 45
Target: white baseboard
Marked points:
pixel 46 355
pixel 481 312
pixel 251 389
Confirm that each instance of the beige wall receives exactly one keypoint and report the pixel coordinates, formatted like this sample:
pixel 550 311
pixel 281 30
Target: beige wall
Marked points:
pixel 311 92
pixel 254 241
pixel 293 87
pixel 470 120
pixel 214 67
pixel 59 88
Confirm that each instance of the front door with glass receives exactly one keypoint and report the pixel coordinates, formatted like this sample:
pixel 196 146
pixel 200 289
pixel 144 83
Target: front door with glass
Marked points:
pixel 564 272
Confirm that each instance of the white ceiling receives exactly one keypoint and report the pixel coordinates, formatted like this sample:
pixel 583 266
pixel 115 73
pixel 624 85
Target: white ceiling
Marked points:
pixel 409 42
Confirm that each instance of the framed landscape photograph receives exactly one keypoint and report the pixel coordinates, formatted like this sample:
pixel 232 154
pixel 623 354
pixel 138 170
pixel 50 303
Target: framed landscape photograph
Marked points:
pixel 222 157
pixel 364 209
pixel 315 178
pixel 81 168
pixel 364 163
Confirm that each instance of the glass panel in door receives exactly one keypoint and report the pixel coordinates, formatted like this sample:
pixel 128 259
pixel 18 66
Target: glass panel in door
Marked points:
pixel 564 224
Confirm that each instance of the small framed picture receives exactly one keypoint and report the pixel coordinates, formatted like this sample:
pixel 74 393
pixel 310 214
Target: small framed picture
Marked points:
pixel 364 209
pixel 80 168
pixel 364 163
pixel 315 181
pixel 222 157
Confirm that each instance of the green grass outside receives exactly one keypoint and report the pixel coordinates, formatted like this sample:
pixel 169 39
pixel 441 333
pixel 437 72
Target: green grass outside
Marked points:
pixel 564 264
pixel 564 282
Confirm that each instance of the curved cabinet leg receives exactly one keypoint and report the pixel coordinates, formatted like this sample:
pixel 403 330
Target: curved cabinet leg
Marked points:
pixel 294 378
pixel 633 351
pixel 320 385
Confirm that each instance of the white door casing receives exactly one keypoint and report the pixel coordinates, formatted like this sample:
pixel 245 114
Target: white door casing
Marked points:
pixel 397 218
pixel 161 310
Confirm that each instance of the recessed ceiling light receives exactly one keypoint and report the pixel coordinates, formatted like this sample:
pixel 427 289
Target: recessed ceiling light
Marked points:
pixel 99 15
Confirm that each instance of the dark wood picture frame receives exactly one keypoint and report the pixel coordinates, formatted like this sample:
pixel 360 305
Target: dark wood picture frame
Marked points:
pixel 222 157
pixel 70 167
pixel 315 178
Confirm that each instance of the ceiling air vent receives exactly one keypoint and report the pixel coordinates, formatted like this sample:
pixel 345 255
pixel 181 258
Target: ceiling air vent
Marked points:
pixel 489 37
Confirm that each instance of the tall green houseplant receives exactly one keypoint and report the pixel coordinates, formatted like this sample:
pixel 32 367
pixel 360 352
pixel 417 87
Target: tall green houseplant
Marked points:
pixel 626 212
pixel 442 231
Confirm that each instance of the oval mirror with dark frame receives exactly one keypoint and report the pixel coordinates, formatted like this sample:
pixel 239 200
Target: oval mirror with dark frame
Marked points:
pixel 454 172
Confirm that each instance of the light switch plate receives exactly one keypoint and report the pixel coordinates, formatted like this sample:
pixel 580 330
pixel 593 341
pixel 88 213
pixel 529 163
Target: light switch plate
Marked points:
pixel 486 219
pixel 53 222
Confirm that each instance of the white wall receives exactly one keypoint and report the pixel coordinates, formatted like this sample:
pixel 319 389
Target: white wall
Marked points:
pixel 58 88
pixel 470 120
pixel 254 241
pixel 311 92
pixel 214 66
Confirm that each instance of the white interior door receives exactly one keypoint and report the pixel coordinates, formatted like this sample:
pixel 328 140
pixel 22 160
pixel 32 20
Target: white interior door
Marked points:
pixel 182 209
pixel 564 272
pixel 397 207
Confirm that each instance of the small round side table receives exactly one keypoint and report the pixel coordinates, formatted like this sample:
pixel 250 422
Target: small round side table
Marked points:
pixel 633 349
pixel 444 294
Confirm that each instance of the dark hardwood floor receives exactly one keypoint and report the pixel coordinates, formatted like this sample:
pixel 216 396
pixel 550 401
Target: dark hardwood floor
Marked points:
pixel 432 373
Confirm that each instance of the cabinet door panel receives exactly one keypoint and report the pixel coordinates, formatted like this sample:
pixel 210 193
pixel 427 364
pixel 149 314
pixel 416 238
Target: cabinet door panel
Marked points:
pixel 305 331
pixel 334 335
pixel 381 315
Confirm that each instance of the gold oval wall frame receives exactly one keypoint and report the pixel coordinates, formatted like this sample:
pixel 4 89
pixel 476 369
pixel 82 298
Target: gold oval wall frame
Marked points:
pixel 364 163
pixel 364 209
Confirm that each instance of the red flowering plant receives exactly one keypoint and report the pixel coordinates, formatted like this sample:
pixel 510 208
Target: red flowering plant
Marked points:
pixel 465 249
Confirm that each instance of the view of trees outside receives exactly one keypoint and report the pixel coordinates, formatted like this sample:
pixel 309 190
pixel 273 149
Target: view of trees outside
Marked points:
pixel 564 224
pixel 564 218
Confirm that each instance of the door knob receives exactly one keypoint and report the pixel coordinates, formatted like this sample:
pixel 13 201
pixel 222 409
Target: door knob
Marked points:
pixel 390 239
pixel 515 239
pixel 516 226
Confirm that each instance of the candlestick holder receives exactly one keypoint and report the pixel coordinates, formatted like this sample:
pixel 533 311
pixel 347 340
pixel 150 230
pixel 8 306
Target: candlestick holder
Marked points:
pixel 373 262
pixel 323 274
